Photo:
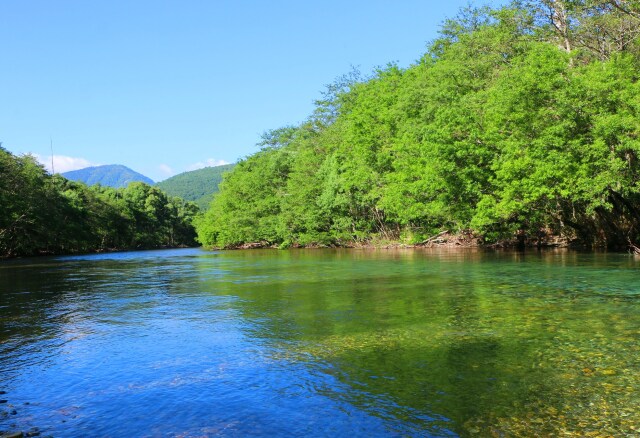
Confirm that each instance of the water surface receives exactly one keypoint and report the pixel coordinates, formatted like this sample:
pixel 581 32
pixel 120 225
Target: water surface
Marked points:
pixel 192 343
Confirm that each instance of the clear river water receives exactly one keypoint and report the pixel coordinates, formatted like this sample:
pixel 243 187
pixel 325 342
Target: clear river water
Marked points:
pixel 193 343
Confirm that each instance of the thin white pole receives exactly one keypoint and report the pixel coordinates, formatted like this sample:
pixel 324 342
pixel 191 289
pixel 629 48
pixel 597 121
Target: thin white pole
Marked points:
pixel 52 170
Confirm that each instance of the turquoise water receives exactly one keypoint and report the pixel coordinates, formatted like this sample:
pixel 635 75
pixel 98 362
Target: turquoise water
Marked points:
pixel 192 343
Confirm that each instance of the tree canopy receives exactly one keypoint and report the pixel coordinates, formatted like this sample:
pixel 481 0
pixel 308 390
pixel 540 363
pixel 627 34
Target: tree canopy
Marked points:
pixel 198 186
pixel 45 214
pixel 523 119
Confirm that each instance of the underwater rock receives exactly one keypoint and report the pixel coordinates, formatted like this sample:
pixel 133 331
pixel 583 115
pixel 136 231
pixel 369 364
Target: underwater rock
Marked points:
pixel 12 435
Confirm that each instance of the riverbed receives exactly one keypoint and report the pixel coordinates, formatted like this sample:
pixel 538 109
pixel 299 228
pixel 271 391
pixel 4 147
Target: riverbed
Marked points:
pixel 322 342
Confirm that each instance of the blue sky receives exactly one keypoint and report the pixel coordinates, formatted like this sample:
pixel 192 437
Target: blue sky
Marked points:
pixel 168 86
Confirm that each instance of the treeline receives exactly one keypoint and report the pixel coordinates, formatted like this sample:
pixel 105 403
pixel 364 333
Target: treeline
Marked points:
pixel 45 214
pixel 523 120
pixel 198 186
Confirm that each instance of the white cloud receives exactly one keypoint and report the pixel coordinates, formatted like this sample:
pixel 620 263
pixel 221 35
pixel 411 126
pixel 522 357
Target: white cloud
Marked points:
pixel 166 170
pixel 211 162
pixel 62 163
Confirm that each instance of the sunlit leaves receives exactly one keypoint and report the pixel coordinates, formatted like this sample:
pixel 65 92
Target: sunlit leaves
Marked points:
pixel 501 128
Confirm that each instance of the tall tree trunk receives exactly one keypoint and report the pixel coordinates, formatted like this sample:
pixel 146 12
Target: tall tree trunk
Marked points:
pixel 560 20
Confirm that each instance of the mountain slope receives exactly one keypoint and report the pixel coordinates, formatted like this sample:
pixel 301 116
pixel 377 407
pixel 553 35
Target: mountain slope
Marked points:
pixel 111 175
pixel 198 186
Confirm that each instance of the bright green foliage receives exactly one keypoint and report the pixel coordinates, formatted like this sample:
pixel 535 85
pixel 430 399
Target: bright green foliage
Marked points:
pixel 509 124
pixel 198 186
pixel 257 188
pixel 50 214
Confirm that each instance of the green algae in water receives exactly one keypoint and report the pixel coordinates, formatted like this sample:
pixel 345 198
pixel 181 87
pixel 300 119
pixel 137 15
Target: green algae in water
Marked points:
pixel 487 344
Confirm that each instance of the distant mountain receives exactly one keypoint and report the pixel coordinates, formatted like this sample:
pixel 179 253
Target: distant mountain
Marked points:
pixel 198 186
pixel 112 175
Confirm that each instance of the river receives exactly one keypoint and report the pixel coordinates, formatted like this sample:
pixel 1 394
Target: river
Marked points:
pixel 192 343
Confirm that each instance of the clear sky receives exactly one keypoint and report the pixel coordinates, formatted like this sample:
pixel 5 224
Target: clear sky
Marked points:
pixel 168 86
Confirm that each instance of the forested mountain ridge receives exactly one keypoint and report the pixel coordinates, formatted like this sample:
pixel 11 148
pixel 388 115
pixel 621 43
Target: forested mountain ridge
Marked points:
pixel 109 175
pixel 49 214
pixel 198 186
pixel 519 121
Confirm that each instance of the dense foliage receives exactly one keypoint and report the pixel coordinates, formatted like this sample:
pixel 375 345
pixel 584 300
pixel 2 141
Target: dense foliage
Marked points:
pixel 110 175
pixel 44 214
pixel 198 186
pixel 522 120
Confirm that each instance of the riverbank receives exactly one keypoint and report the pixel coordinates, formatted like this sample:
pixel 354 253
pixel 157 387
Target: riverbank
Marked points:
pixel 444 239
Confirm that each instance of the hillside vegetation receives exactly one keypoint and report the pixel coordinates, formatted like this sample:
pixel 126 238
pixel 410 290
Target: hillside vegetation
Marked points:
pixel 45 214
pixel 523 120
pixel 197 186
pixel 110 175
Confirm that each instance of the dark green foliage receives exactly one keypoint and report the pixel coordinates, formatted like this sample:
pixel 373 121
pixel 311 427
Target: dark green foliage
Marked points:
pixel 111 175
pixel 198 186
pixel 44 214
pixel 510 124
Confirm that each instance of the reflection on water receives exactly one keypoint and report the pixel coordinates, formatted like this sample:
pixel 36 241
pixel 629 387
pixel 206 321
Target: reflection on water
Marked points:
pixel 321 342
